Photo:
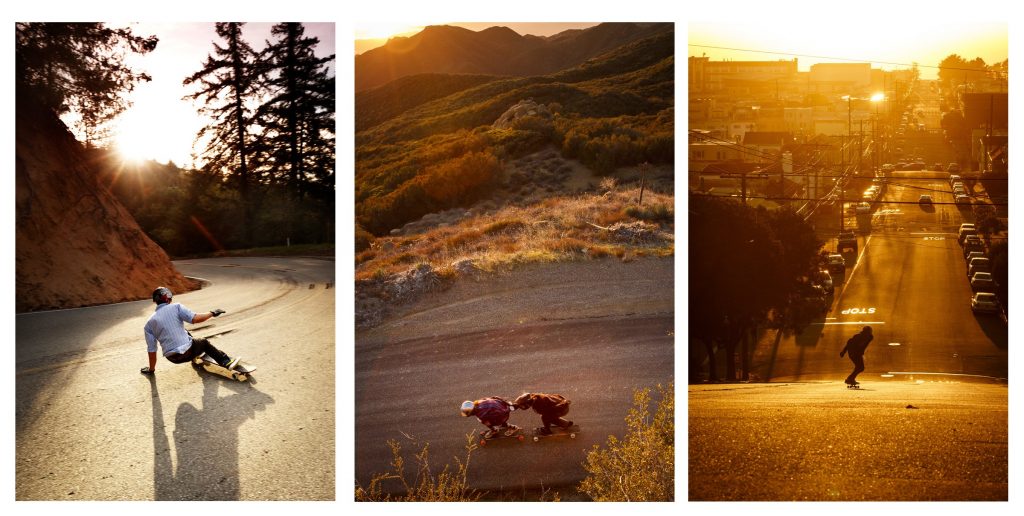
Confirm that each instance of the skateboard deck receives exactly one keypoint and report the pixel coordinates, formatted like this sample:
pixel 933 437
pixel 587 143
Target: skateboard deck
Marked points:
pixel 517 435
pixel 241 372
pixel 555 432
pixel 853 386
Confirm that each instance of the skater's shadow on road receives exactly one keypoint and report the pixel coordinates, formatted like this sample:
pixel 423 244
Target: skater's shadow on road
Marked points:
pixel 205 441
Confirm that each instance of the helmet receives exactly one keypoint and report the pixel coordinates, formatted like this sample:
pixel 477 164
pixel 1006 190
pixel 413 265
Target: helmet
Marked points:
pixel 524 401
pixel 467 408
pixel 867 329
pixel 162 295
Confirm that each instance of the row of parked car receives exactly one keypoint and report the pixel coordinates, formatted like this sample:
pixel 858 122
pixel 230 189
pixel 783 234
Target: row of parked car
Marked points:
pixel 979 271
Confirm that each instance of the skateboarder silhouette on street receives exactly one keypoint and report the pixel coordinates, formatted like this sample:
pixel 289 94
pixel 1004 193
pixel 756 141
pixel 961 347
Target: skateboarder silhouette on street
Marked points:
pixel 856 347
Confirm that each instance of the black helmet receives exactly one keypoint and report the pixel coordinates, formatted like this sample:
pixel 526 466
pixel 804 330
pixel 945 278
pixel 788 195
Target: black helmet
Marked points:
pixel 162 295
pixel 867 329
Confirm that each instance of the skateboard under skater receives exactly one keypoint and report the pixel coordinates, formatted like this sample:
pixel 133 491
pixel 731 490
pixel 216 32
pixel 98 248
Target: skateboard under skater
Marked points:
pixel 241 372
pixel 516 434
pixel 854 385
pixel 555 432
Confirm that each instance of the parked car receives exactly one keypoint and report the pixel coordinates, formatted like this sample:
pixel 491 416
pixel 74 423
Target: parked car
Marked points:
pixel 836 264
pixel 953 178
pixel 970 256
pixel 985 302
pixel 847 240
pixel 964 233
pixel 953 167
pixel 825 280
pixel 967 225
pixel 925 199
pixel 938 166
pixel 973 243
pixel 976 265
pixel 962 199
pixel 983 282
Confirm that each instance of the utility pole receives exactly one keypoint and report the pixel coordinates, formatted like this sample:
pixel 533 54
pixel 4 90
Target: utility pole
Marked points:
pixel 860 148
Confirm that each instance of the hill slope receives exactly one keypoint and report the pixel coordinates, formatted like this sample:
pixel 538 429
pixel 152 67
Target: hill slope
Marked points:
pixel 76 245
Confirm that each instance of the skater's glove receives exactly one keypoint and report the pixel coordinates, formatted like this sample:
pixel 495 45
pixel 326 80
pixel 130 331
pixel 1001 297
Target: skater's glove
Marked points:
pixel 147 370
pixel 216 312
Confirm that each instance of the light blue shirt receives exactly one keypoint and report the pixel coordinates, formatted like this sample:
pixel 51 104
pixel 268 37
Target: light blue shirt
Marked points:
pixel 166 326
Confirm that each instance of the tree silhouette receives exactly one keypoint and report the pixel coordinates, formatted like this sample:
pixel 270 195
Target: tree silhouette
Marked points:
pixel 748 268
pixel 298 115
pixel 78 67
pixel 228 86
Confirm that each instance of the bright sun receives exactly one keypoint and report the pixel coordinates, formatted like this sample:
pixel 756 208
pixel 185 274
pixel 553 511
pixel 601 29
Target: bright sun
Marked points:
pixel 383 30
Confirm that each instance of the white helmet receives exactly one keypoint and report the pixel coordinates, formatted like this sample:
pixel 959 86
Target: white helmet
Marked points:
pixel 467 408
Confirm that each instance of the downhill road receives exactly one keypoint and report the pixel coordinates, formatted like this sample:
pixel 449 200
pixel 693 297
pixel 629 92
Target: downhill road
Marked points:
pixel 592 331
pixel 909 283
pixel 90 427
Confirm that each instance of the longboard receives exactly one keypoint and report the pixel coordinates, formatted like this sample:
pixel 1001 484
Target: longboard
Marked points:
pixel 555 432
pixel 517 435
pixel 241 372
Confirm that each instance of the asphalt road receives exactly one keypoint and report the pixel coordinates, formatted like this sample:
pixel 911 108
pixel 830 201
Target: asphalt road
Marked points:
pixel 909 283
pixel 921 440
pixel 591 331
pixel 90 427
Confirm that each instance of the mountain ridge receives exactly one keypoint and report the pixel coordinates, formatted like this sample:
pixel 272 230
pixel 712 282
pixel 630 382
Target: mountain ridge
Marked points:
pixel 496 50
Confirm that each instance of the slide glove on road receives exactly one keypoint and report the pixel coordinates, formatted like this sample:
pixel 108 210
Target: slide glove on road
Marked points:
pixel 217 312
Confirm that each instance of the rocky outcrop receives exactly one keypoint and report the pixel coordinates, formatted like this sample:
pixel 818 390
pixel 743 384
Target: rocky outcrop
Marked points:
pixel 522 109
pixel 76 245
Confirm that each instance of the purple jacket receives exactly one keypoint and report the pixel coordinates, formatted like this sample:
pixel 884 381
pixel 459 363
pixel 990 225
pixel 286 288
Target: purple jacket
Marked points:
pixel 492 411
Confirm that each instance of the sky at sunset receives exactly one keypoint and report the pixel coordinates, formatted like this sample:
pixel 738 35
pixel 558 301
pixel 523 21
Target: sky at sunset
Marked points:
pixel 889 44
pixel 370 35
pixel 160 125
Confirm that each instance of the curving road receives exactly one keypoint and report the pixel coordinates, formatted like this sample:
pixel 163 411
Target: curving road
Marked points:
pixel 592 331
pixel 90 427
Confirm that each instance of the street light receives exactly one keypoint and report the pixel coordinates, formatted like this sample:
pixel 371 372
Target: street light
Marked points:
pixel 877 99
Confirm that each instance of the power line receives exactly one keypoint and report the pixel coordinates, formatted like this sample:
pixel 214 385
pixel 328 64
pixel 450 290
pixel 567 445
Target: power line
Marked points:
pixel 766 198
pixel 872 61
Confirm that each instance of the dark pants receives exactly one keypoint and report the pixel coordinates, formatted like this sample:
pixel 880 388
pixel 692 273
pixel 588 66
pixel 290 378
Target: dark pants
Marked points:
pixel 555 418
pixel 199 346
pixel 858 367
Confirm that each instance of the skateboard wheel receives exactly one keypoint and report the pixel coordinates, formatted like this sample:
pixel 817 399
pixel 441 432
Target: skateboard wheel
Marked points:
pixel 572 436
pixel 483 442
pixel 520 437
pixel 536 439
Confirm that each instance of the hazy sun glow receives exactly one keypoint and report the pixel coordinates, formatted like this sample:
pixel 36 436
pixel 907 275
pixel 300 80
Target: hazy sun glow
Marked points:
pixel 384 30
pixel 889 44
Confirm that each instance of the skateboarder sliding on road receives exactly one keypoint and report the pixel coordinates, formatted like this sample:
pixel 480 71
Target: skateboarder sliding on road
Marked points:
pixel 166 326
pixel 856 347
pixel 551 408
pixel 493 413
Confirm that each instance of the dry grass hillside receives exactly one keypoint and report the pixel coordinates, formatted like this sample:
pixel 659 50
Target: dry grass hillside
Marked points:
pixel 603 224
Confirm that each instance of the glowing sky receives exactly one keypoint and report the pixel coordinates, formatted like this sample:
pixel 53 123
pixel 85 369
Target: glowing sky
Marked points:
pixel 369 35
pixel 160 125
pixel 881 42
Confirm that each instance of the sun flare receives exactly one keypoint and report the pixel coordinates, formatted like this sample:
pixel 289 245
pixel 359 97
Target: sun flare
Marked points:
pixel 384 30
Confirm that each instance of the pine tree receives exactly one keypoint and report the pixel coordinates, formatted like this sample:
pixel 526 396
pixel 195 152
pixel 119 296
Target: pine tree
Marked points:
pixel 298 115
pixel 228 85
pixel 78 67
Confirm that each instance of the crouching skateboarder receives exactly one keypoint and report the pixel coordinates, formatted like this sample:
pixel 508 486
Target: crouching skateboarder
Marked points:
pixel 493 413
pixel 167 327
pixel 551 408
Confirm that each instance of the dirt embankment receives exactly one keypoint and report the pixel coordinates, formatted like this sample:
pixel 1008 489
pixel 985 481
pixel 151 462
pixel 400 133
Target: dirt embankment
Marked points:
pixel 76 245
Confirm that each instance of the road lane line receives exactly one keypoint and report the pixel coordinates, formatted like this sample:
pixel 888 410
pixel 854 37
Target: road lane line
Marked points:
pixel 946 374
pixel 859 257
pixel 846 323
